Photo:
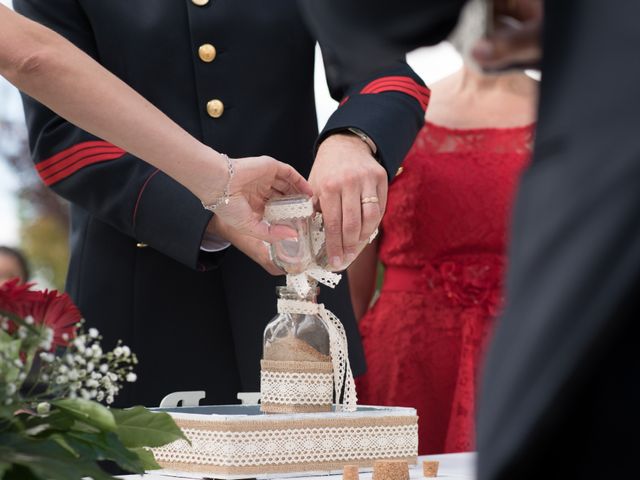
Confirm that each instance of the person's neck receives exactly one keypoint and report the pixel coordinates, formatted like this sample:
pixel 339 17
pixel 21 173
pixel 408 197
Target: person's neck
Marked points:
pixel 470 80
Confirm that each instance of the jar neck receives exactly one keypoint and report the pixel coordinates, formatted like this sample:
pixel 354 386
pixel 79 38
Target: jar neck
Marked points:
pixel 286 293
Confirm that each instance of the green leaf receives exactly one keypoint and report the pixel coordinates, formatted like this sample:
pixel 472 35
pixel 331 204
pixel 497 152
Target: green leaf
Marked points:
pixel 146 458
pixel 83 427
pixel 138 427
pixel 57 420
pixel 105 446
pixel 60 440
pixel 4 466
pixel 8 411
pixel 91 413
pixel 46 460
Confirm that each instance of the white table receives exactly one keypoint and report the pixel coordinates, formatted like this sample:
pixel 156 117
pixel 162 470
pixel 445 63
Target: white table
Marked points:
pixel 458 466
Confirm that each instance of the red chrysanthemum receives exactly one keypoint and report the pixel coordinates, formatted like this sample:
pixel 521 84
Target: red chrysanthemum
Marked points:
pixel 49 308
pixel 17 298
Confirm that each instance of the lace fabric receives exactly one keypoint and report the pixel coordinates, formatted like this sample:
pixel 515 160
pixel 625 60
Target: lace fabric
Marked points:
pixel 282 444
pixel 296 386
pixel 443 245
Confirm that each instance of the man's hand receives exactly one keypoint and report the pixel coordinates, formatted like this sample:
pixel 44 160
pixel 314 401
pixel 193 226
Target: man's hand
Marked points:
pixel 515 40
pixel 343 174
pixel 254 248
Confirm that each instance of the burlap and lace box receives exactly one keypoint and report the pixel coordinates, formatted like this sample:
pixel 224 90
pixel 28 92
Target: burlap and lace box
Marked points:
pixel 238 441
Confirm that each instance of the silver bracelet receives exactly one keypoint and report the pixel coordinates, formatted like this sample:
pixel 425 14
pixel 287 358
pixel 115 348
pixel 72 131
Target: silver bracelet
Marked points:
pixel 224 199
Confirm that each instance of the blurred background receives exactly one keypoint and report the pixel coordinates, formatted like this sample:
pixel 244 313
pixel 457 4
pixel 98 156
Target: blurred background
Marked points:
pixel 35 220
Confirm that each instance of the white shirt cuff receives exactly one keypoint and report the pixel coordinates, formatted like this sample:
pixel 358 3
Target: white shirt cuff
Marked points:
pixel 212 243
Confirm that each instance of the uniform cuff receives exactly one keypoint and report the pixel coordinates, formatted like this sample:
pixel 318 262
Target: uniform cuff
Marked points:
pixel 170 219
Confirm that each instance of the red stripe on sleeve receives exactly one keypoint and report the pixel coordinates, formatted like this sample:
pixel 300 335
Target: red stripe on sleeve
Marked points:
pixel 84 162
pixel 422 100
pixel 76 157
pixel 408 81
pixel 64 154
pixel 406 85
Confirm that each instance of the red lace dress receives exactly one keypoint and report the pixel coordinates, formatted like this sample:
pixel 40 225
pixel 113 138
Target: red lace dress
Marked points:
pixel 443 246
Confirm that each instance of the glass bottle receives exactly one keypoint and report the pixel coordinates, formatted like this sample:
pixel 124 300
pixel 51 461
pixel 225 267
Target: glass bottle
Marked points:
pixel 294 253
pixel 296 349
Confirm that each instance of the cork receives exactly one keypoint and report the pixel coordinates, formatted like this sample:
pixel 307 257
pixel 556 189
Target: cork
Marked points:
pixel 350 472
pixel 391 470
pixel 430 468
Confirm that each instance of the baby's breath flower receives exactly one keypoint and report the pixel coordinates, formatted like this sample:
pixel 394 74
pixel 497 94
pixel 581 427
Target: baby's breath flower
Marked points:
pixel 131 377
pixel 29 320
pixel 43 408
pixel 93 332
pixel 126 351
pixel 118 351
pixel 110 399
pixel 104 368
pixel 11 389
pixel 91 383
pixel 22 332
pixel 60 379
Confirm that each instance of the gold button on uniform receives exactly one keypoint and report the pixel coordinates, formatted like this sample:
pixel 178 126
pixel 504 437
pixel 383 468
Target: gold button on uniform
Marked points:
pixel 207 52
pixel 215 108
pixel 200 3
pixel 141 245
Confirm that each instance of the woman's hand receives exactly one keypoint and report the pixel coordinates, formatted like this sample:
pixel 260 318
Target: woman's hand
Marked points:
pixel 255 180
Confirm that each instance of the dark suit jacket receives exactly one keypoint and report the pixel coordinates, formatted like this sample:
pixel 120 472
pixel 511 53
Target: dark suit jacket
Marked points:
pixel 562 383
pixel 136 270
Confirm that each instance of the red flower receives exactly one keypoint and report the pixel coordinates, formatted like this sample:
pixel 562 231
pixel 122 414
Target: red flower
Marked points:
pixel 17 298
pixel 49 308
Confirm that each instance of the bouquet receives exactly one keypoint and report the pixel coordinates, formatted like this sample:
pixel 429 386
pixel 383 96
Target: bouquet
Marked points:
pixel 53 378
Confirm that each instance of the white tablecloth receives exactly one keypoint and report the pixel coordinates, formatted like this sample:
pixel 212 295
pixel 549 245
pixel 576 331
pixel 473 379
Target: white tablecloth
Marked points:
pixel 458 466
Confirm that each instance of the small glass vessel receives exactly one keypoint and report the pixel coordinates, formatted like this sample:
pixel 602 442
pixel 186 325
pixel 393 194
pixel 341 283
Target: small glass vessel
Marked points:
pixel 296 337
pixel 296 368
pixel 293 254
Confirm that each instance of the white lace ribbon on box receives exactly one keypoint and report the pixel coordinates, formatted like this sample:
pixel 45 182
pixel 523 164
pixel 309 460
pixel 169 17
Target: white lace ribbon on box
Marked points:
pixel 338 346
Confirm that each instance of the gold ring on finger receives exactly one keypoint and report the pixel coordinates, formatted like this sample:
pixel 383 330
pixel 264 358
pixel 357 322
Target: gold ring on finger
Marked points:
pixel 370 200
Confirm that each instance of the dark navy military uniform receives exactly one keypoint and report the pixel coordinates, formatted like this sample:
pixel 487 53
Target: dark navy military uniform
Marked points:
pixel 237 75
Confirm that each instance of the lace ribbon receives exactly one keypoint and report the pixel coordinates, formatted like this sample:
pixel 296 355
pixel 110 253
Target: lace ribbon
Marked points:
pixel 305 281
pixel 342 374
pixel 289 211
